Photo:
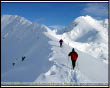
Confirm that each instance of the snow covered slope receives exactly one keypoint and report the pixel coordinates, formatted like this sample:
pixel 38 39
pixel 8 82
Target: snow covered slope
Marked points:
pixel 90 34
pixel 45 61
pixel 23 40
pixel 88 69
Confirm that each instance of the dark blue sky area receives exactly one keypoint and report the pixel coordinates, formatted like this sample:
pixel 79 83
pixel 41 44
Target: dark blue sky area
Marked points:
pixel 62 13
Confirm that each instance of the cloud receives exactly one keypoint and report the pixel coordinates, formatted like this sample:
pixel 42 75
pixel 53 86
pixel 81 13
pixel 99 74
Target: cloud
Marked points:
pixel 96 9
pixel 58 27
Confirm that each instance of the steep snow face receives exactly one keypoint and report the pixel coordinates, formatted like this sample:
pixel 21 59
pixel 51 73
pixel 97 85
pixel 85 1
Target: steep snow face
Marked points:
pixel 23 38
pixel 13 24
pixel 83 29
pixel 19 23
pixel 6 20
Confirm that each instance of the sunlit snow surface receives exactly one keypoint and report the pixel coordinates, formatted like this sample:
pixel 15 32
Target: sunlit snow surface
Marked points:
pixel 45 61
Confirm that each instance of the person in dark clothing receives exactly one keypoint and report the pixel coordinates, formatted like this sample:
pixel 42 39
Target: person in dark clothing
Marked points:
pixel 61 41
pixel 74 57
pixel 13 64
pixel 23 58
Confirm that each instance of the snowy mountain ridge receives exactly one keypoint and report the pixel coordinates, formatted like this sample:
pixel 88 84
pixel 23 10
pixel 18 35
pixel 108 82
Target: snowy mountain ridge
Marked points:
pixel 45 60
pixel 10 18
pixel 89 33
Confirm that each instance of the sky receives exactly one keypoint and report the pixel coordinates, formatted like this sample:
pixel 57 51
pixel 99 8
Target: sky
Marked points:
pixel 55 13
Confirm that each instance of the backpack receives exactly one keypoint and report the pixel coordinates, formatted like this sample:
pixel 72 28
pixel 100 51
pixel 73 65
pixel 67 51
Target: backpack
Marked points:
pixel 73 55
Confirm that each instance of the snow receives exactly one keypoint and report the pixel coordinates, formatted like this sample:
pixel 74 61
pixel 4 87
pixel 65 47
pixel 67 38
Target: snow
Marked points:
pixel 91 71
pixel 45 61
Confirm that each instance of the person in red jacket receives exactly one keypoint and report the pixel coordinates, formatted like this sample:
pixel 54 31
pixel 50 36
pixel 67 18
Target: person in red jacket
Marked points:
pixel 74 57
pixel 61 41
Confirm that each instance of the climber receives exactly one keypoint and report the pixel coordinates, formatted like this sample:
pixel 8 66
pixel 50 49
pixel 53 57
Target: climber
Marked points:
pixel 13 64
pixel 74 57
pixel 23 58
pixel 61 41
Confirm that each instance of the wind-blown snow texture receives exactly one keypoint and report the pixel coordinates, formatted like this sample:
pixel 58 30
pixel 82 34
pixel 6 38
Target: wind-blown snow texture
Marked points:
pixel 45 61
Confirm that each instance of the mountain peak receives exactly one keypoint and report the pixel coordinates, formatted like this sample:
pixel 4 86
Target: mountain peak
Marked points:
pixel 86 29
pixel 9 18
pixel 86 18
